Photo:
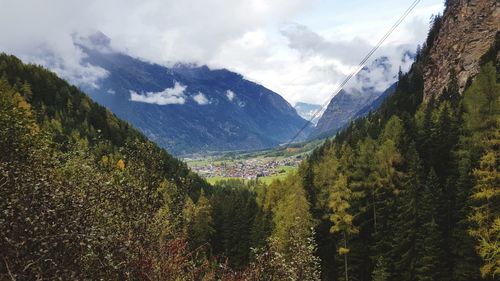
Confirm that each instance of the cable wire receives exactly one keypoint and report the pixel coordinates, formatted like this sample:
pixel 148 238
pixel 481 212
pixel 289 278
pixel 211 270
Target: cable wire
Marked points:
pixel 356 70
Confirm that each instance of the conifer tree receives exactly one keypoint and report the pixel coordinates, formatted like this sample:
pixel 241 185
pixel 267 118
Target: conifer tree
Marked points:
pixel 406 242
pixel 429 238
pixel 342 220
pixel 198 221
pixel 380 271
pixel 486 214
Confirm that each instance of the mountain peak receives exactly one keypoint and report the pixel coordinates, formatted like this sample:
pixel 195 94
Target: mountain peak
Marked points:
pixel 93 40
pixel 189 108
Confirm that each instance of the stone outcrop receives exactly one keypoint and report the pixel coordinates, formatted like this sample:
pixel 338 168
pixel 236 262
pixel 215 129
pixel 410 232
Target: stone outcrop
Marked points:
pixel 467 32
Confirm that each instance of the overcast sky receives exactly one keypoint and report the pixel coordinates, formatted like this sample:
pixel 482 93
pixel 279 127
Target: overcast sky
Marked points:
pixel 299 48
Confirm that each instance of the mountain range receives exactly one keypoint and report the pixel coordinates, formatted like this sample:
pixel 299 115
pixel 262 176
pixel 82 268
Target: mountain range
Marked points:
pixel 353 102
pixel 187 108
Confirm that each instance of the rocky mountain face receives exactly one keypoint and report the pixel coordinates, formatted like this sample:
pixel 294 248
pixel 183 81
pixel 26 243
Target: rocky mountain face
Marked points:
pixel 468 30
pixel 373 106
pixel 340 111
pixel 354 102
pixel 190 109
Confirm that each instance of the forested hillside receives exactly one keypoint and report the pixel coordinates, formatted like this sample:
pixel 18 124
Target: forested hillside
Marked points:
pixel 83 195
pixel 411 191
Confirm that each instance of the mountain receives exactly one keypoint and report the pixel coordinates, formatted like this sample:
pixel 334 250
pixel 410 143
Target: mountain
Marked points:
pixel 452 53
pixel 307 111
pixel 374 105
pixel 189 108
pixel 346 108
pixel 68 115
pixel 433 141
pixel 80 189
pixel 346 105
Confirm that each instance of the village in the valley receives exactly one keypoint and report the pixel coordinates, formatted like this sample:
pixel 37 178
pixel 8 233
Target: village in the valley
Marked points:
pixel 251 168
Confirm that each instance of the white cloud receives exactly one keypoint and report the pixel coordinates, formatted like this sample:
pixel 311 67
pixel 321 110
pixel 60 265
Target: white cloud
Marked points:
pixel 230 95
pixel 312 73
pixel 268 41
pixel 174 95
pixel 201 99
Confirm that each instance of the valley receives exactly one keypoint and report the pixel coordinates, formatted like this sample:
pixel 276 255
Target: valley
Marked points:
pixel 179 171
pixel 261 168
pixel 263 165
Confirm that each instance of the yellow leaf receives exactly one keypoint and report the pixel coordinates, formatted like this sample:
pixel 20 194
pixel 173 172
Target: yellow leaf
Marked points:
pixel 120 164
pixel 343 251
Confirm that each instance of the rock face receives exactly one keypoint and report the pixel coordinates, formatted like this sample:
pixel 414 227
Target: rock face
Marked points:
pixel 346 107
pixel 468 30
pixel 340 111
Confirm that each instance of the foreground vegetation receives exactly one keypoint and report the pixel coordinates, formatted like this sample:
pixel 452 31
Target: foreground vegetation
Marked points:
pixel 84 196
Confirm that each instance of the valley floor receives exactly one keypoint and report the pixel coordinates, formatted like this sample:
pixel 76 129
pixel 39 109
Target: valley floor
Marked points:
pixel 264 168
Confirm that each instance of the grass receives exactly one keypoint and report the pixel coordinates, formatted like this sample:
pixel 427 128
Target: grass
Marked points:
pixel 214 180
pixel 270 179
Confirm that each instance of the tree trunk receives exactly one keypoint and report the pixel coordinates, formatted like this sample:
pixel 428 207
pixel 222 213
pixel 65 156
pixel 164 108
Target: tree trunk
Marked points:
pixel 374 212
pixel 345 258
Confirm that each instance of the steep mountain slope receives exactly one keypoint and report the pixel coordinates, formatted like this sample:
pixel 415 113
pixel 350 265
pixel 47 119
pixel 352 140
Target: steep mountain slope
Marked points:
pixel 344 106
pixel 374 105
pixel 427 166
pixel 187 108
pixel 467 30
pixel 307 111
pixel 84 196
pixel 70 115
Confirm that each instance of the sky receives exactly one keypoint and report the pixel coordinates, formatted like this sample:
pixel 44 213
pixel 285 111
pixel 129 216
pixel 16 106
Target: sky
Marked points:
pixel 301 49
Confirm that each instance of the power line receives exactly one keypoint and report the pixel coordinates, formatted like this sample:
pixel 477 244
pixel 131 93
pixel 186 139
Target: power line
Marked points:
pixel 356 70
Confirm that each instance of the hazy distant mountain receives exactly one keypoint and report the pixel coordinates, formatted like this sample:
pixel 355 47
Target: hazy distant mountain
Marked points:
pixel 188 108
pixel 351 103
pixel 373 106
pixel 307 111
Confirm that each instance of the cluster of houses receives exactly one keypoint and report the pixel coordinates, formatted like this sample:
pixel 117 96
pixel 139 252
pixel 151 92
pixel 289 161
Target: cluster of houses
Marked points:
pixel 245 169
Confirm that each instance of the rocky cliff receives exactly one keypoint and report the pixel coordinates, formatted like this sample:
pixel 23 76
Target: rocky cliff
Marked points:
pixel 467 31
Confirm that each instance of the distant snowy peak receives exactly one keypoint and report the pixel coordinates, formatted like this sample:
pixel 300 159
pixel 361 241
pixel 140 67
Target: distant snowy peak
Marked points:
pixel 308 111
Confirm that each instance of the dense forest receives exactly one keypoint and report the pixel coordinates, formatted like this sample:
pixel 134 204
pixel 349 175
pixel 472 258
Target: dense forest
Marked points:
pixel 409 192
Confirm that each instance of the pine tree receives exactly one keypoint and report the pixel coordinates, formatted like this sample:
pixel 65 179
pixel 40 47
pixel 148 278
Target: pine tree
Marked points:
pixel 364 176
pixel 482 111
pixel 380 271
pixel 486 214
pixel 465 260
pixel 342 220
pixel 198 223
pixel 291 215
pixel 429 265
pixel 406 242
